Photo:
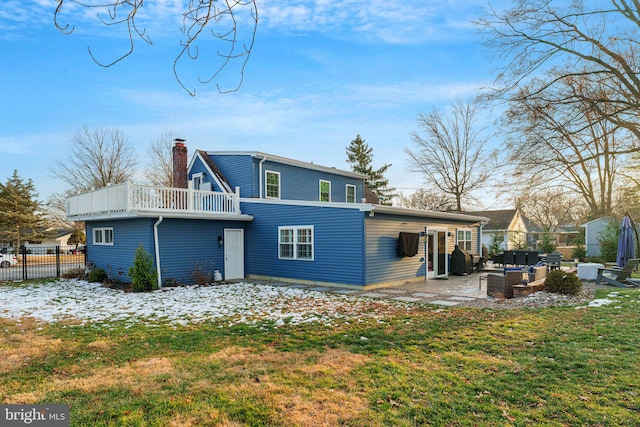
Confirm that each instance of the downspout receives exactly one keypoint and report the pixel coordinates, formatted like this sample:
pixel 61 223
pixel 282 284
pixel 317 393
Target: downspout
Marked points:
pixel 264 158
pixel 157 251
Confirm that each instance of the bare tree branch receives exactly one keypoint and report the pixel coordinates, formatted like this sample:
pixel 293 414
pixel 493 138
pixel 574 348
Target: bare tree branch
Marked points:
pixel 159 171
pixel 228 22
pixel 451 156
pixel 97 158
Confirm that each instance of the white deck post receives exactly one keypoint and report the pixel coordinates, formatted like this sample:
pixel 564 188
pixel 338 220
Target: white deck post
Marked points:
pixel 236 201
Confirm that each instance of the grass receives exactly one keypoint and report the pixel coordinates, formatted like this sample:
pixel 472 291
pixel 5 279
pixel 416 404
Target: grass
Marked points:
pixel 458 367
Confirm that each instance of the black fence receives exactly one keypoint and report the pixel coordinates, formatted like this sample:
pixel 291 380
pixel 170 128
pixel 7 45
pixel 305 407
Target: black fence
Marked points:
pixel 40 262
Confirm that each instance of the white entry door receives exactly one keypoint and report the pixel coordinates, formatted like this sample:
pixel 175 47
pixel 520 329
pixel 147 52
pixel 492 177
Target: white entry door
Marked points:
pixel 437 253
pixel 233 253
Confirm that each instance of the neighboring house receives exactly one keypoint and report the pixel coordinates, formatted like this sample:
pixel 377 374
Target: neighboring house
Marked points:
pixel 506 224
pixel 258 216
pixel 56 237
pixel 592 230
pixel 516 230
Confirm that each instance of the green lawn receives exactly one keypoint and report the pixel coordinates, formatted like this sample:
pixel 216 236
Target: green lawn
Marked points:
pixel 455 366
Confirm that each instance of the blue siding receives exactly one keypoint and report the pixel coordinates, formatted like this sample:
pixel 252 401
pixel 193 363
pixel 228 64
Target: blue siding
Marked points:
pixel 199 167
pixel 128 234
pixel 338 243
pixel 190 246
pixel 241 171
pixel 187 246
pixel 296 183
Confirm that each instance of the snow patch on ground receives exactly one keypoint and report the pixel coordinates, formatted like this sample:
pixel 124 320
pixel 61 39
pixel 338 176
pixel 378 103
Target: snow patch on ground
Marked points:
pixel 248 303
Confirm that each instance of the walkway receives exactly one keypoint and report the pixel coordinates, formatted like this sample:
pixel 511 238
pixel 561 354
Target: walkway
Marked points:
pixel 446 292
pixel 452 291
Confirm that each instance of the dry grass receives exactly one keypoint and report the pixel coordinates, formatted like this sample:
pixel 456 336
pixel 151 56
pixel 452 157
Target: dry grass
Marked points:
pixel 554 367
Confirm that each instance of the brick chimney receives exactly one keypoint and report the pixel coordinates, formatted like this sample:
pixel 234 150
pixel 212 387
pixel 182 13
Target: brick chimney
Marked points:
pixel 180 164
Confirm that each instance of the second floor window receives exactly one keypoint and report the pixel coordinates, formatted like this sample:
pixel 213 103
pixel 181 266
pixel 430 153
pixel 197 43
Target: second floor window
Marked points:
pixel 325 191
pixel 273 185
pixel 351 193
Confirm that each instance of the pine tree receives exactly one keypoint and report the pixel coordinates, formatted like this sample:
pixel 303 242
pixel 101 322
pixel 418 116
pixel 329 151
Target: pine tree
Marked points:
pixel 360 156
pixel 142 272
pixel 21 216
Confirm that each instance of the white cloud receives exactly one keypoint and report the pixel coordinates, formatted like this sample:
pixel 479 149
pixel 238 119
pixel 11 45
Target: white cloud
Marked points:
pixel 409 21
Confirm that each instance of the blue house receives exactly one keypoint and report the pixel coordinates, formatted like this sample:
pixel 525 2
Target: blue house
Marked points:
pixel 252 215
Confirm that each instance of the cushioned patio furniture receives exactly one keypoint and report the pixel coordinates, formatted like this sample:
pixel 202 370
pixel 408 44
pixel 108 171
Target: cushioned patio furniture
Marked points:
pixel 620 277
pixel 552 261
pixel 501 285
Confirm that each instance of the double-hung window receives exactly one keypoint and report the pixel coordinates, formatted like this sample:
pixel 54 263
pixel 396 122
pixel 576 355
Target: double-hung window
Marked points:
pixel 464 239
pixel 351 193
pixel 272 184
pixel 295 242
pixel 103 236
pixel 325 191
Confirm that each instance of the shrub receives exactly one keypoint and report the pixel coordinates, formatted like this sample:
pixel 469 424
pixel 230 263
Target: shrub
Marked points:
pixel 562 282
pixel 143 274
pixel 579 252
pixel 202 273
pixel 74 273
pixel 546 245
pixel 98 275
pixel 608 241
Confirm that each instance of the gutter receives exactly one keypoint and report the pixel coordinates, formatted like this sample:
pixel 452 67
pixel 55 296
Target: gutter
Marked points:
pixel 157 250
pixel 264 158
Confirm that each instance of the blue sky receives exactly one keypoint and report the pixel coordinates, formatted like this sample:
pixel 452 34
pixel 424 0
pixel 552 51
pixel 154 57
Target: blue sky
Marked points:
pixel 321 72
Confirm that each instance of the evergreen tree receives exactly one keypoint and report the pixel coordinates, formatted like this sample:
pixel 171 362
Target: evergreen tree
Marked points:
pixel 21 216
pixel 77 238
pixel 360 157
pixel 143 274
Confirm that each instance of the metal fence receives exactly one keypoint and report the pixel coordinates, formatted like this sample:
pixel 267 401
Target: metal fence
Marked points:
pixel 40 262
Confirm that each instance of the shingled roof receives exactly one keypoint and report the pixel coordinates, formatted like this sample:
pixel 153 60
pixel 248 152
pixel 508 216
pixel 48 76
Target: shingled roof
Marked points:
pixel 498 219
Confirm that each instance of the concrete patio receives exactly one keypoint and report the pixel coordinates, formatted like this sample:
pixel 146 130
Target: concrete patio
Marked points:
pixel 451 291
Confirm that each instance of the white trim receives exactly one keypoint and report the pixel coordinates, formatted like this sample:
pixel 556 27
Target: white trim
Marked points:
pixel 156 244
pixel 346 193
pixel 221 184
pixel 320 182
pixel 266 183
pixel 103 241
pixel 465 230
pixel 200 180
pixel 294 243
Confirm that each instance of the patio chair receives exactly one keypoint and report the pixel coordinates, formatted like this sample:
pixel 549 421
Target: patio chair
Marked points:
pixel 552 261
pixel 502 284
pixel 620 277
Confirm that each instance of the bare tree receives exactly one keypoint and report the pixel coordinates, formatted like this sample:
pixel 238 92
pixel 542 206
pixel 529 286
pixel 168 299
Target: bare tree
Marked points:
pixel 451 155
pixel 223 32
pixel 560 136
pixel 159 172
pixel 549 209
pixel 566 40
pixel 428 200
pixel 97 158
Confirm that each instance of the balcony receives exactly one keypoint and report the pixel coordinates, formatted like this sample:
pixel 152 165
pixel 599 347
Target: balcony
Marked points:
pixel 128 200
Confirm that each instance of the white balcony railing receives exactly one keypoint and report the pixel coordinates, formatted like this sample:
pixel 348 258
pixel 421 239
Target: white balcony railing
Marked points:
pixel 127 198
